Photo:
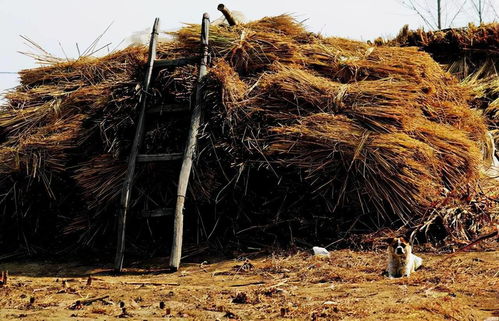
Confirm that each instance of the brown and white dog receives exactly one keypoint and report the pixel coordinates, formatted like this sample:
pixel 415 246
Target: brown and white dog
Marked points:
pixel 401 261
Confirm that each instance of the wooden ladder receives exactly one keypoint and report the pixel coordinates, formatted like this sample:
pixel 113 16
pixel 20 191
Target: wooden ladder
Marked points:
pixel 186 156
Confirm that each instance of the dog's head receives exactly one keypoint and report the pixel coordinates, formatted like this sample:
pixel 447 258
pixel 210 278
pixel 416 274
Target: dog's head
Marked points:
pixel 399 246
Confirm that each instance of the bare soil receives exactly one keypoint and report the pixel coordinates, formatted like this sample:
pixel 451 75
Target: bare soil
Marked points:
pixel 347 286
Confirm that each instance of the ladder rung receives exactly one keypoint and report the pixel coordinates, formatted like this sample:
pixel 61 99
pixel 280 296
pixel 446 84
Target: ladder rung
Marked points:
pixel 159 212
pixel 164 63
pixel 169 108
pixel 143 158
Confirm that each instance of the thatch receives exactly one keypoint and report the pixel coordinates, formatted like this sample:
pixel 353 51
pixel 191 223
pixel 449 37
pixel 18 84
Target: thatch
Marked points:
pixel 470 53
pixel 486 96
pixel 464 50
pixel 298 129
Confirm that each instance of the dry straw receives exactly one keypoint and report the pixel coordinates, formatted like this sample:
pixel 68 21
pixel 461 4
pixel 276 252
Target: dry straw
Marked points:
pixel 383 130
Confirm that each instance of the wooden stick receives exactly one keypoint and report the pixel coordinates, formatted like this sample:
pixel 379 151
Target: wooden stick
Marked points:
pixel 5 276
pixel 162 63
pixel 152 283
pixel 90 301
pixel 127 186
pixel 227 14
pixel 41 289
pixel 190 148
pixel 247 284
pixel 79 303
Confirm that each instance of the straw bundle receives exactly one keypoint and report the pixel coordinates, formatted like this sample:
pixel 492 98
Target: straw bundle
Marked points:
pixel 453 43
pixel 349 129
pixel 471 54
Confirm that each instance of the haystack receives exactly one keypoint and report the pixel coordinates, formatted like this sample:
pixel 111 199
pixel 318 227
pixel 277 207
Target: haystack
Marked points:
pixel 304 138
pixel 464 50
pixel 470 53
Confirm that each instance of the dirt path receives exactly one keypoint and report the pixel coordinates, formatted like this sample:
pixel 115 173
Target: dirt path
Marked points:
pixel 347 286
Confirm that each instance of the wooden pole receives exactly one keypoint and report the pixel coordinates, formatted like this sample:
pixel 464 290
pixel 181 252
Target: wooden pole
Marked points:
pixel 227 14
pixel 480 11
pixel 439 14
pixel 139 132
pixel 190 148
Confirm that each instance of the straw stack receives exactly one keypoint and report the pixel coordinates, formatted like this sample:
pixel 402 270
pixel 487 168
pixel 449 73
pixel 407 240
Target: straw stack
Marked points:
pixel 361 131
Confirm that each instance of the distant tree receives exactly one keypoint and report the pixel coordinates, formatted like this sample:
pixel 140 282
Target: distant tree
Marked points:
pixel 478 5
pixel 484 9
pixel 438 14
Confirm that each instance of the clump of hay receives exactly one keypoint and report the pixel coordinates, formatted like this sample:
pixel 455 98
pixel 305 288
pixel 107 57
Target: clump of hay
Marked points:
pixel 474 43
pixel 365 131
pixel 470 53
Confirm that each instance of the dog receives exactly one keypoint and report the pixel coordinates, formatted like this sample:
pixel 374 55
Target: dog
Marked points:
pixel 401 261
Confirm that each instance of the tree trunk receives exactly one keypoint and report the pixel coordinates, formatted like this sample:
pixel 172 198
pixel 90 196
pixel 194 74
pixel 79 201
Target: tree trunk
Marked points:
pixel 439 14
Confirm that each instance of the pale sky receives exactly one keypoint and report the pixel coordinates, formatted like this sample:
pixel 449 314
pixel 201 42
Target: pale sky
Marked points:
pixel 63 23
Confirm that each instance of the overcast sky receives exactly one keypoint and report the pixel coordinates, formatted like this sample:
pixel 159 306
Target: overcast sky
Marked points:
pixel 56 24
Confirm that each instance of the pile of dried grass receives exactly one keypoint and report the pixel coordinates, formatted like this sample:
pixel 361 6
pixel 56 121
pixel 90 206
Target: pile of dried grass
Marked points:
pixel 472 37
pixel 463 49
pixel 471 54
pixel 486 96
pixel 300 129
pixel 381 128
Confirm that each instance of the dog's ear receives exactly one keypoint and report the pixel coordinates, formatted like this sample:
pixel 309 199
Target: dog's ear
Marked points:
pixel 403 239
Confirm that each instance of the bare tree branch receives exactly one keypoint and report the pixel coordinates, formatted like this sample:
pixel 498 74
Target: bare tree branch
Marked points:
pixel 496 15
pixel 412 5
pixel 458 12
pixel 478 9
pixel 438 14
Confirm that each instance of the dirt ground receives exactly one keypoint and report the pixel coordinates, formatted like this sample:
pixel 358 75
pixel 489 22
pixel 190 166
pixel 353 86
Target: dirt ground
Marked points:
pixel 346 286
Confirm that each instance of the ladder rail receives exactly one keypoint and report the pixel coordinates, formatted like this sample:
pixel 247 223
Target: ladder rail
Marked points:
pixel 190 149
pixel 139 132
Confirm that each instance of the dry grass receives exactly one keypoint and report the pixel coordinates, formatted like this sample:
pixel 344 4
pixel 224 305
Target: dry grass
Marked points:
pixel 453 40
pixel 346 286
pixel 388 143
pixel 468 53
pixel 379 129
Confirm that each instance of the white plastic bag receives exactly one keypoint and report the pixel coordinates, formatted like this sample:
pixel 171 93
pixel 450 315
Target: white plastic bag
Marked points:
pixel 320 251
